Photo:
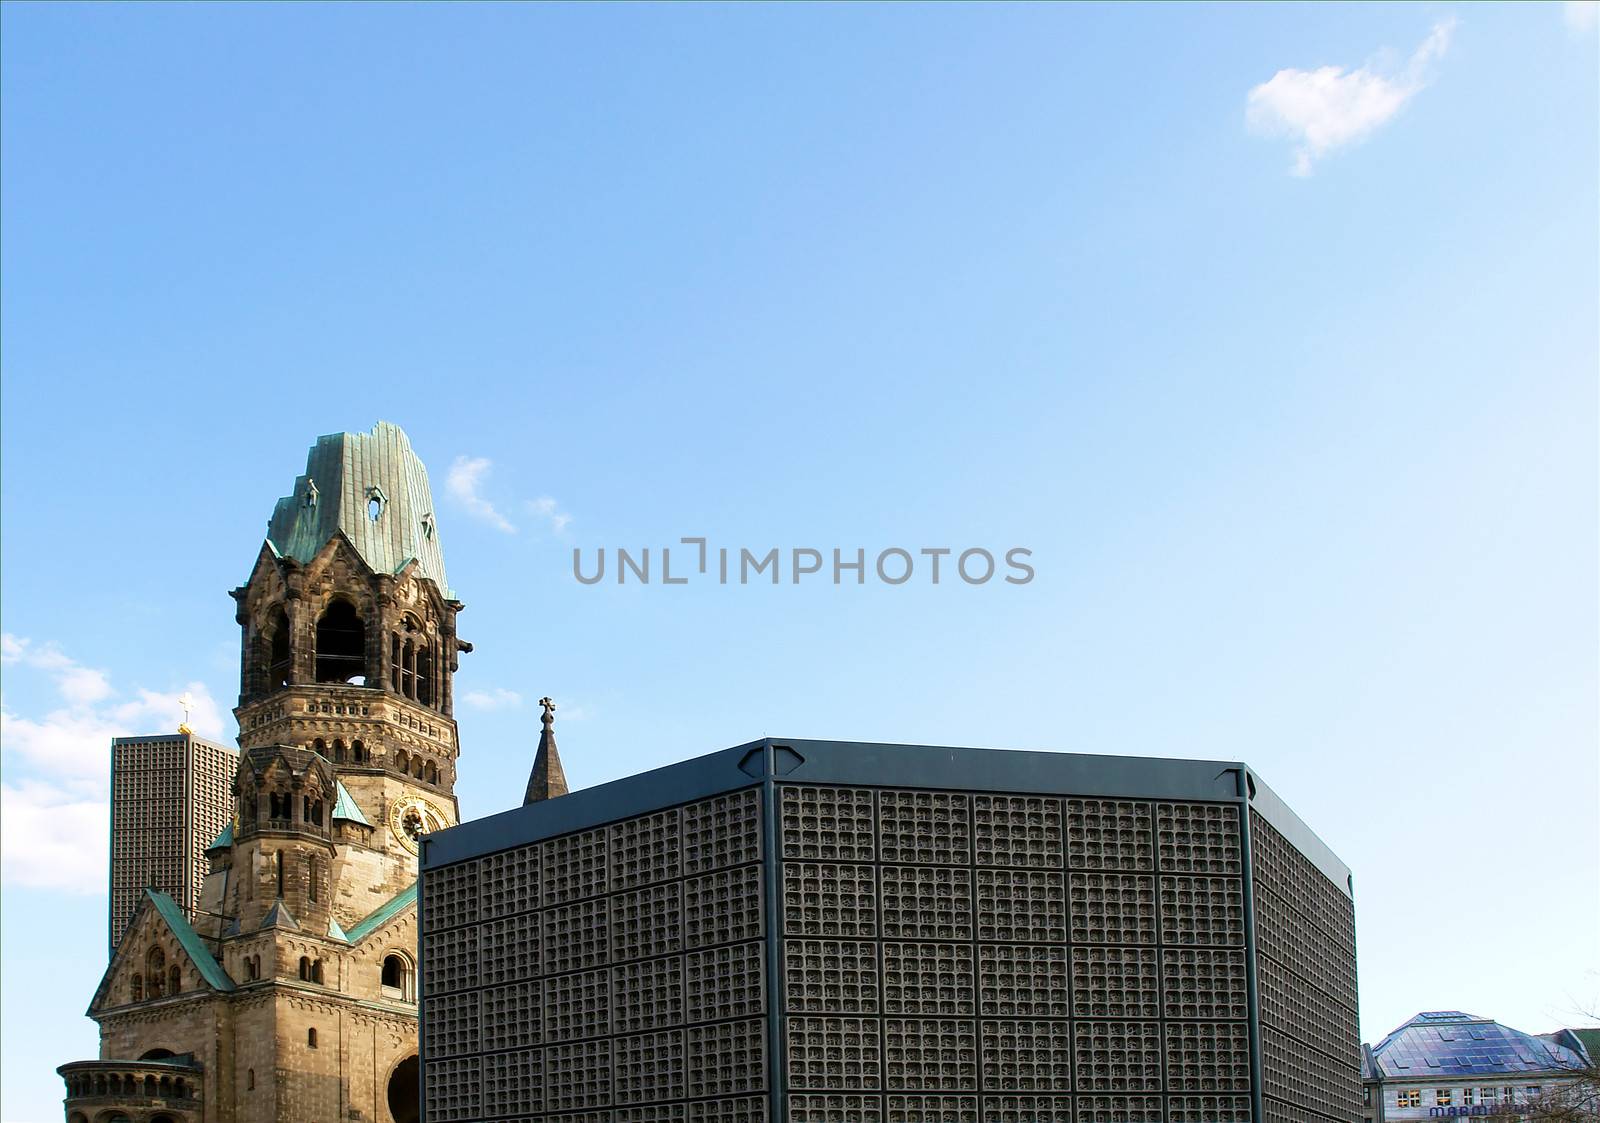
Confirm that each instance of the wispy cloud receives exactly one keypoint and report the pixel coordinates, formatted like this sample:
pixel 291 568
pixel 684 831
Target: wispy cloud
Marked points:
pixel 546 508
pixel 496 698
pixel 465 483
pixel 1581 15
pixel 52 828
pixel 1327 108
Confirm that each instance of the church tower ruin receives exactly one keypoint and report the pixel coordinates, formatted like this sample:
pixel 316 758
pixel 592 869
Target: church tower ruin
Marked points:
pixel 293 993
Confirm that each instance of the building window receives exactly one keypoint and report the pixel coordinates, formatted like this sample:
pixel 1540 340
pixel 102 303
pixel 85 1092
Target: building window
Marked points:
pixel 311 1039
pixel 1366 1096
pixel 1411 1097
pixel 138 987
pixel 1444 1097
pixel 341 644
pixel 1468 1097
pixel 250 1080
pixel 1533 1090
pixel 396 978
pixel 174 979
pixel 1507 1093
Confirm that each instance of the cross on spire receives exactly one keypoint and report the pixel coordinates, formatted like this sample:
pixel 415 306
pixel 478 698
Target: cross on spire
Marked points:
pixel 547 779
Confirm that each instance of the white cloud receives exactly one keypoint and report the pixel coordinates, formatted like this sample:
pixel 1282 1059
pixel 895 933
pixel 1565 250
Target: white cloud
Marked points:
pixel 1327 108
pixel 466 477
pixel 54 830
pixel 52 839
pixel 1581 15
pixel 495 699
pixel 79 685
pixel 546 508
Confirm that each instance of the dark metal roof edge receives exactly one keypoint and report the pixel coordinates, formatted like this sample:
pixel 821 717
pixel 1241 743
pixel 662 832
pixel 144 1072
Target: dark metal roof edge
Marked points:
pixel 1289 824
pixel 880 764
pixel 622 798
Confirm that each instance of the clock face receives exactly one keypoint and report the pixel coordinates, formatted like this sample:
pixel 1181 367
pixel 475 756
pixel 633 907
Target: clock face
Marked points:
pixel 411 817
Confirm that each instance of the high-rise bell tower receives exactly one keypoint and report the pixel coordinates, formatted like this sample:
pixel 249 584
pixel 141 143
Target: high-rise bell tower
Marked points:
pixel 348 633
pixel 289 995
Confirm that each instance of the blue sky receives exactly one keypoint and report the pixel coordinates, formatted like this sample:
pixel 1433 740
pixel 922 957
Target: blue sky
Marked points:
pixel 1271 331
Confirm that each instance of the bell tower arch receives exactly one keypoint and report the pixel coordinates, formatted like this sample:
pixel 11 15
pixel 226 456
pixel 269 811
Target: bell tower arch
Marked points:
pixel 348 651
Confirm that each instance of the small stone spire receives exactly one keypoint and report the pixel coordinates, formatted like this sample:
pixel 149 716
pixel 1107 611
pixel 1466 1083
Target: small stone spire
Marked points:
pixel 548 779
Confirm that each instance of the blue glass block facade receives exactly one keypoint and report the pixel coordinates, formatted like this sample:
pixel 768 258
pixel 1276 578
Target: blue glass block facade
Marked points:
pixel 826 932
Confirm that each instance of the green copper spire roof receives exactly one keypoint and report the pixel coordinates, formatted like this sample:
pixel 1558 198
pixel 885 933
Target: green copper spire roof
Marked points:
pixel 345 807
pixel 373 488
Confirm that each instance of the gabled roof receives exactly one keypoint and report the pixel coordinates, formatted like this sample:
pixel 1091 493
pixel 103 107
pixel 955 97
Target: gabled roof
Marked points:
pixel 189 940
pixel 1444 1043
pixel 168 913
pixel 344 807
pixel 383 914
pixel 223 840
pixel 335 932
pixel 347 477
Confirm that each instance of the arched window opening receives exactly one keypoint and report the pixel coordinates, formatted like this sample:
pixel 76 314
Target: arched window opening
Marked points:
pixel 396 977
pixel 150 1086
pixel 431 773
pixel 425 676
pixel 161 1119
pixel 394 662
pixel 416 767
pixel 174 979
pixel 408 669
pixel 359 751
pixel 277 863
pixel 180 1088
pixel 341 645
pixel 157 1055
pixel 311 1039
pixel 166 1085
pixel 313 873
pixel 136 988
pixel 305 968
pixel 155 967
pixel 338 752
pixel 250 1079
pixel 100 1085
pixel 404 1085
pixel 316 971
pixel 278 661
pixel 402 762
pixel 320 747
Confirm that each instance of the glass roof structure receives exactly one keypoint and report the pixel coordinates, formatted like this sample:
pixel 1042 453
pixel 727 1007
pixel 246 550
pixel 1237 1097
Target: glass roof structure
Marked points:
pixel 1448 1043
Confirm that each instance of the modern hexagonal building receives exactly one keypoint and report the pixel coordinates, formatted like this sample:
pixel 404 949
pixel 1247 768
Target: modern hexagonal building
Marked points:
pixel 827 932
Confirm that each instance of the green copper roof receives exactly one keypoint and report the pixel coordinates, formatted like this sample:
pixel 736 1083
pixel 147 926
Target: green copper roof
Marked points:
pixel 343 808
pixel 348 477
pixel 384 914
pixel 335 932
pixel 189 940
pixel 223 840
